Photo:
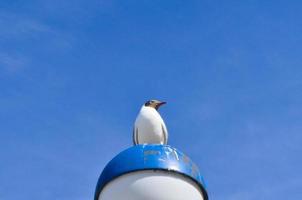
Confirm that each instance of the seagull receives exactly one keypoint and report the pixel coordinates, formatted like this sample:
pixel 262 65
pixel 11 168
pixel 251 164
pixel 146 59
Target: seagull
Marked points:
pixel 149 127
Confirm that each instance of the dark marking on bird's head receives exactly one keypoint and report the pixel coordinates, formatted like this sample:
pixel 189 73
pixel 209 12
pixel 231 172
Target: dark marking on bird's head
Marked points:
pixel 154 104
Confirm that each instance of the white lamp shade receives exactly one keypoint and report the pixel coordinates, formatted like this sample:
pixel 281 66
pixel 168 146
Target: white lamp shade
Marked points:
pixel 151 185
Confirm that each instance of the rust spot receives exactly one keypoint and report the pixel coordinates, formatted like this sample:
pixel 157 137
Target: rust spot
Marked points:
pixel 185 159
pixel 151 152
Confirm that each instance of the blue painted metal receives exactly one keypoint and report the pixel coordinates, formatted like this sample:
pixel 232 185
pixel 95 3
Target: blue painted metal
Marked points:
pixel 146 157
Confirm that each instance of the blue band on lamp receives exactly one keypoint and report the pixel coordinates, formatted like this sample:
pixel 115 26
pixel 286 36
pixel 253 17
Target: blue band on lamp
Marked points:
pixel 146 157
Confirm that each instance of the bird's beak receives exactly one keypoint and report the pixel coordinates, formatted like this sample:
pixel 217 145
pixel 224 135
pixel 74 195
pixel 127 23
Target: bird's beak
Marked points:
pixel 161 103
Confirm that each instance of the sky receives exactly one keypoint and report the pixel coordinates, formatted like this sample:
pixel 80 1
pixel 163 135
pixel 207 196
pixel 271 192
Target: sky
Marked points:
pixel 74 74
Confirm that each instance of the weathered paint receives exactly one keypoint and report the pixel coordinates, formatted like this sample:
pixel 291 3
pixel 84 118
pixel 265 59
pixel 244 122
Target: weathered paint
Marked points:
pixel 146 157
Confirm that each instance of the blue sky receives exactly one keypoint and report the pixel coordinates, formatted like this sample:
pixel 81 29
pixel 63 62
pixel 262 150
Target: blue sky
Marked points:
pixel 73 75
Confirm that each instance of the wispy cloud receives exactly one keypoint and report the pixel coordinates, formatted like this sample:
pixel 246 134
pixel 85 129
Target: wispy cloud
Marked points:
pixel 18 30
pixel 12 63
pixel 16 25
pixel 14 29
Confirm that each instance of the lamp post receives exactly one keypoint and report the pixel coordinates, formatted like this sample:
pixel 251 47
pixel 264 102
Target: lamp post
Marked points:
pixel 150 172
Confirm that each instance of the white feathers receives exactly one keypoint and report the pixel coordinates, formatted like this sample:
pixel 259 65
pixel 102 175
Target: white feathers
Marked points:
pixel 149 127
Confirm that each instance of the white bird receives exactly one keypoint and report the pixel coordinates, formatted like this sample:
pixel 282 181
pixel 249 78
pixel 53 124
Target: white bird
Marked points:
pixel 149 127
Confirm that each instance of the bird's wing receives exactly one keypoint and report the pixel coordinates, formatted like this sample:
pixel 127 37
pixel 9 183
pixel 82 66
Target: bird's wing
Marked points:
pixel 165 132
pixel 135 135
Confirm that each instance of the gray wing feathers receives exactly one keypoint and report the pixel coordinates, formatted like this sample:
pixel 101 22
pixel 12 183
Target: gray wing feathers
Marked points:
pixel 135 135
pixel 165 133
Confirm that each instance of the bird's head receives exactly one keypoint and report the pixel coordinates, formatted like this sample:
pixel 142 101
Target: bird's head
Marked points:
pixel 154 104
